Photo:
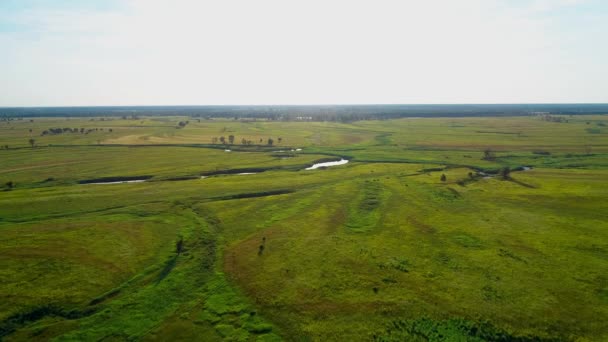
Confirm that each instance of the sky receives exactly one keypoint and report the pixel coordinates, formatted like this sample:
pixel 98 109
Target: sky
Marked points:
pixel 198 52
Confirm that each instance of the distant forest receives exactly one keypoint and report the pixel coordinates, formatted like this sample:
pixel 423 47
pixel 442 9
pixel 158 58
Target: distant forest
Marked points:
pixel 344 113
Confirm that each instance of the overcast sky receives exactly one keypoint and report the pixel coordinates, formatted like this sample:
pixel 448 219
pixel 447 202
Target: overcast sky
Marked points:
pixel 174 52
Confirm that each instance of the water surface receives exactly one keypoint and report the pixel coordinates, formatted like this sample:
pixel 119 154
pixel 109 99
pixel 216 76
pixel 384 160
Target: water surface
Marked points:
pixel 328 164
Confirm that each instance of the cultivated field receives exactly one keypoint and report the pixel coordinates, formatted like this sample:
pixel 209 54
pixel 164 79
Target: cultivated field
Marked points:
pixel 440 229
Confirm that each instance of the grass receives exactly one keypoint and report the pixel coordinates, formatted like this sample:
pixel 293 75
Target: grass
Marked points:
pixel 377 249
pixel 51 166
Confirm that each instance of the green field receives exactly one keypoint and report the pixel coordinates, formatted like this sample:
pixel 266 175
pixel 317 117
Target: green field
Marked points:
pixel 380 248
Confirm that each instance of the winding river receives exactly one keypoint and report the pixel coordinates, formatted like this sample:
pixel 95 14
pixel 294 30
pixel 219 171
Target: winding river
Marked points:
pixel 342 161
pixel 328 164
pixel 120 182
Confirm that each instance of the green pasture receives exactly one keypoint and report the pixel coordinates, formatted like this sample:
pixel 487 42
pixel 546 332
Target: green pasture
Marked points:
pixel 378 249
pixel 44 166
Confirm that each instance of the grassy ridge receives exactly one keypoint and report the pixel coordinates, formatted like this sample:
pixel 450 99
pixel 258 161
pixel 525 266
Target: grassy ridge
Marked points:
pixel 433 253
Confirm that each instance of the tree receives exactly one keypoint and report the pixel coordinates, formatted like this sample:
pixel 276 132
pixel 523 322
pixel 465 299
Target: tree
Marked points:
pixel 244 141
pixel 32 142
pixel 280 139
pixel 10 184
pixel 261 248
pixel 270 141
pixel 443 178
pixel 231 139
pixel 222 139
pixel 214 140
pixel 488 154
pixel 179 246
pixel 505 172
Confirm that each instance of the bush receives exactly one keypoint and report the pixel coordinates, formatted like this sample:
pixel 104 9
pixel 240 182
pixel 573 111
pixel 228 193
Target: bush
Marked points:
pixel 425 329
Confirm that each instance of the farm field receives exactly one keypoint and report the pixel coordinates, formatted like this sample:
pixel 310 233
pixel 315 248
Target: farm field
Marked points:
pixel 437 229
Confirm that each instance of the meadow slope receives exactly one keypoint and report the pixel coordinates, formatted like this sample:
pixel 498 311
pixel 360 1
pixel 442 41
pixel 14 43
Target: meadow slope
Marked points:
pixel 442 229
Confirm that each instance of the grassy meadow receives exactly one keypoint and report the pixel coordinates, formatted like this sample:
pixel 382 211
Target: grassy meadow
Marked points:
pixel 422 236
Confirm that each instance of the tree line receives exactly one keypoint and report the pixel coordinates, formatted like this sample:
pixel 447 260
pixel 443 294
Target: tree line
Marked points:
pixel 54 131
pixel 341 113
pixel 231 138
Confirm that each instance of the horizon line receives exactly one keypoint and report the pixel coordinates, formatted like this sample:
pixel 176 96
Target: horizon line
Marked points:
pixel 313 105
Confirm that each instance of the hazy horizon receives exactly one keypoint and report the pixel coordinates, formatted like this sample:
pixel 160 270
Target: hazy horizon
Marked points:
pixel 316 105
pixel 199 53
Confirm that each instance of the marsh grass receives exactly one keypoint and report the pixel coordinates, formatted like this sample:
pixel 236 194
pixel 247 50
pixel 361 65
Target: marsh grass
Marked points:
pixel 379 248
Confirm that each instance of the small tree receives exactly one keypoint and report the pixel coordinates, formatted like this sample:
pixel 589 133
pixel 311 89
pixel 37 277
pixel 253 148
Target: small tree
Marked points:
pixel 10 184
pixel 270 141
pixel 280 139
pixel 243 141
pixel 261 248
pixel 231 139
pixel 179 246
pixel 488 154
pixel 222 139
pixel 443 178
pixel 32 142
pixel 505 172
